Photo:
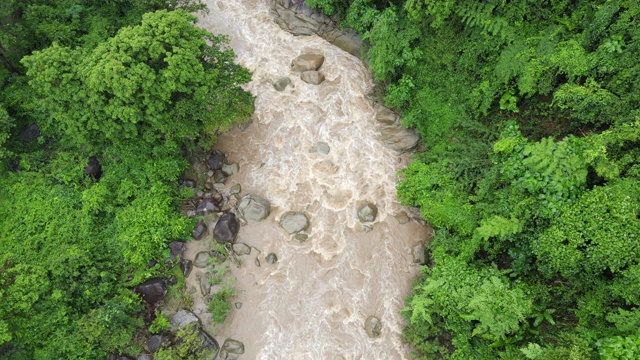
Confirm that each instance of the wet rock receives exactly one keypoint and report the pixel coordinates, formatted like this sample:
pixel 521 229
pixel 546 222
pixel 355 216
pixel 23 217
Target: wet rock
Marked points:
pixel 199 231
pixel 186 266
pixel 230 169
pixel 418 254
pixel 373 327
pixel 93 168
pixel 398 138
pixel 320 147
pixel 312 77
pixel 367 213
pixel 152 290
pixel 293 222
pixel 253 208
pixel 205 283
pixel 297 18
pixel 202 259
pixel 231 350
pixel 176 247
pixel 245 125
pixel 226 228
pixel 301 237
pixel 272 258
pixel 216 160
pixel 387 117
pixel 402 217
pixel 30 133
pixel 281 83
pixel 241 249
pixel 182 319
pixel 235 189
pixel 219 177
pixel 307 62
pixel 189 183
pixel 155 342
pixel 206 206
pixel 238 305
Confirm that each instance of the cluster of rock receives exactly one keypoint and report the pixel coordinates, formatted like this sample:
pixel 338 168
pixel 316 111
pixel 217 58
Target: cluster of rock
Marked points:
pixel 296 17
pixel 308 65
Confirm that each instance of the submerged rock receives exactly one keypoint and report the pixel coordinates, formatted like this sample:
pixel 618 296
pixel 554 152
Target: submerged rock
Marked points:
pixel 312 77
pixel 281 83
pixel 272 258
pixel 321 148
pixel 293 222
pixel 367 213
pixel 373 327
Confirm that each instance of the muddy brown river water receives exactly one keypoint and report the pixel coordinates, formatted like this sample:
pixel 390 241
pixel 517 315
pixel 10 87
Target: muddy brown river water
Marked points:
pixel 312 303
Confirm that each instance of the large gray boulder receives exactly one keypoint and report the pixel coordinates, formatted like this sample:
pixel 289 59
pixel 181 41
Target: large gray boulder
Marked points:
pixel 253 208
pixel 373 327
pixel 297 18
pixel 226 228
pixel 294 222
pixel 281 83
pixel 312 77
pixel 182 319
pixel 398 138
pixel 216 160
pixel 231 350
pixel 152 290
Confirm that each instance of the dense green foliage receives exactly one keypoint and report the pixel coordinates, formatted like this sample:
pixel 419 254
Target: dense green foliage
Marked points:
pixel 130 86
pixel 529 112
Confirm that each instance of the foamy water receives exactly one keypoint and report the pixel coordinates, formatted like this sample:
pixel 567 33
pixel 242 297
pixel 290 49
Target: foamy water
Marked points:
pixel 312 304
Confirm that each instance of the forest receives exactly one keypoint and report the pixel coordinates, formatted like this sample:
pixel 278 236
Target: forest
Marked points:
pixel 529 173
pixel 528 169
pixel 89 197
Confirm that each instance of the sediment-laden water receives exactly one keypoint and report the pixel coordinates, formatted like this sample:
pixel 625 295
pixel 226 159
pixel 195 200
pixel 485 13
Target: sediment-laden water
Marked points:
pixel 312 304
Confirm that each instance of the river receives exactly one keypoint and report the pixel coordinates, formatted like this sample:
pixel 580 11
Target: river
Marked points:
pixel 313 303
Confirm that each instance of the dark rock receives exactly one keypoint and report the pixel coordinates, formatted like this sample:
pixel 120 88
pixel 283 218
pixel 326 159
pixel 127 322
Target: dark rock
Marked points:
pixel 238 305
pixel 312 77
pixel 281 83
pixel 206 206
pixel 293 222
pixel 199 231
pixel 30 133
pixel 189 183
pixel 367 213
pixel 177 247
pixel 145 357
pixel 151 264
pixel 307 62
pixel 209 348
pixel 272 258
pixel 219 176
pixel 226 228
pixel 373 327
pixel 253 208
pixel 172 280
pixel 216 160
pixel 202 259
pixel 155 342
pixel 93 169
pixel 186 266
pixel 245 125
pixel 152 290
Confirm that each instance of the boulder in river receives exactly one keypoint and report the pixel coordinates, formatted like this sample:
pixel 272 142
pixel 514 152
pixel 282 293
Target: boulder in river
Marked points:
pixel 321 148
pixel 398 138
pixel 373 327
pixel 230 169
pixel 216 160
pixel 272 258
pixel 367 212
pixel 312 77
pixel 226 228
pixel 152 290
pixel 294 222
pixel 307 62
pixel 281 83
pixel 253 208
pixel 231 350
